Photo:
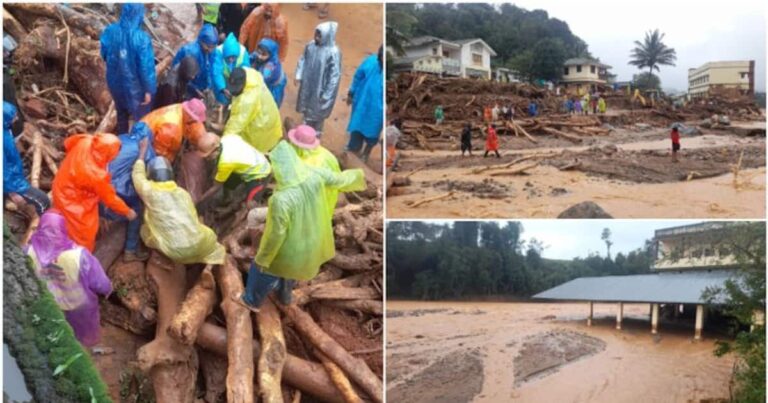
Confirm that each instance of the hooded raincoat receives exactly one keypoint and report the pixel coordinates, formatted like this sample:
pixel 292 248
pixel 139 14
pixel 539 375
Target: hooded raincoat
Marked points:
pixel 271 70
pixel 83 181
pixel 168 128
pixel 14 180
pixel 73 275
pixel 367 102
pixel 171 224
pixel 254 115
pixel 319 70
pixel 256 27
pixel 120 168
pixel 320 157
pixel 298 235
pixel 221 69
pixel 130 59
pixel 203 80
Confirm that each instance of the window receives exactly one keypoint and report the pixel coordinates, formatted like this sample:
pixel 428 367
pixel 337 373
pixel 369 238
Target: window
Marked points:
pixel 708 252
pixel 434 51
pixel 477 59
pixel 565 71
pixel 743 75
pixel 592 69
pixel 578 69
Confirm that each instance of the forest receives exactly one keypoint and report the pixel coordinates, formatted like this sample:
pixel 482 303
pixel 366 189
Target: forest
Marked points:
pixel 486 259
pixel 530 42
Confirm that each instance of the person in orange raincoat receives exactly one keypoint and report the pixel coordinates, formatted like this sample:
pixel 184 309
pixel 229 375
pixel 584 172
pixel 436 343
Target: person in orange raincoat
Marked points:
pixel 170 124
pixel 83 181
pixel 265 22
pixel 487 114
pixel 492 141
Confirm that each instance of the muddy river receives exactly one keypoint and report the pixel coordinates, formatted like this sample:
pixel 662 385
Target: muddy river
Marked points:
pixel 544 352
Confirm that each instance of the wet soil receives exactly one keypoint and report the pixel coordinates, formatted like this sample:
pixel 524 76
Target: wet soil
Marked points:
pixel 485 189
pixel 455 378
pixel 347 330
pixel 543 353
pixel 115 367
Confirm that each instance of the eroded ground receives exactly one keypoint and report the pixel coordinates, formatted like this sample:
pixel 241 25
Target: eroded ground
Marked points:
pixel 542 352
pixel 629 174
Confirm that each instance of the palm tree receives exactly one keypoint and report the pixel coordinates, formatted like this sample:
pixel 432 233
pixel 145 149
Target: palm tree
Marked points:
pixel 606 237
pixel 652 52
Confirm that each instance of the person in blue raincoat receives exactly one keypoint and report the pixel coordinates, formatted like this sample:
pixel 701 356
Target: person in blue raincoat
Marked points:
pixel 15 185
pixel 120 170
pixel 365 96
pixel 266 59
pixel 127 51
pixel 203 51
pixel 227 57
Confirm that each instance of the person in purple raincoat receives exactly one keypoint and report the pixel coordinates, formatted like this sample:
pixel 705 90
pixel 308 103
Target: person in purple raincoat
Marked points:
pixel 72 274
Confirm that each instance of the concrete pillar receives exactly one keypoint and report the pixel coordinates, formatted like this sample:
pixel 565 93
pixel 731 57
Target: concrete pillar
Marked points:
pixel 591 310
pixel 654 318
pixel 619 316
pixel 699 321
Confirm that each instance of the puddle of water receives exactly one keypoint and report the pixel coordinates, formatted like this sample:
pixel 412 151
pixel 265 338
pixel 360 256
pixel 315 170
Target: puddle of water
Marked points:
pixel 14 388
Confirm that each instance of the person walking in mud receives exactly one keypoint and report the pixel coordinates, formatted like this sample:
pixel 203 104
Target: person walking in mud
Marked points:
pixel 492 141
pixel 675 136
pixel 466 139
pixel 439 114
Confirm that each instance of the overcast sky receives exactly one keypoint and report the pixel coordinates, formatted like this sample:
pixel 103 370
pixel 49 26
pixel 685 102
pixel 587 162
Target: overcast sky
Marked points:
pixel 700 31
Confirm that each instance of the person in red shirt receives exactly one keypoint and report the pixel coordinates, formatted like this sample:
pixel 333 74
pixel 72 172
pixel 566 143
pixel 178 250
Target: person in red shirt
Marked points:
pixel 675 135
pixel 492 141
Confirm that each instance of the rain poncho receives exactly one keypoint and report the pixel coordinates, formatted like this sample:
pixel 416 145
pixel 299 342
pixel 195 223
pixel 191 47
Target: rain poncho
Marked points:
pixel 601 105
pixel 171 224
pixel 14 180
pixel 256 27
pixel 120 168
pixel 254 115
pixel 168 127
pixel 298 235
pixel 222 69
pixel 83 181
pixel 240 158
pixel 209 36
pixel 319 70
pixel 272 70
pixel 367 102
pixel 492 141
pixel 73 275
pixel 130 59
pixel 320 157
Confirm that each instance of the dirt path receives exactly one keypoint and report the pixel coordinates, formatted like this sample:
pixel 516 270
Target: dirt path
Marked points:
pixel 597 364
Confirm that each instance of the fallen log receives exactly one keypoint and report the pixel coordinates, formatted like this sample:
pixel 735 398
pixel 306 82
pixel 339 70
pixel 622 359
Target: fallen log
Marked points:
pixel 359 262
pixel 418 203
pixel 356 368
pixel 12 26
pixel 344 293
pixel 561 134
pixel 171 365
pixel 515 171
pixel 370 306
pixel 519 128
pixel 339 379
pixel 299 373
pixel 37 158
pixel 273 353
pixel 196 307
pixel 90 26
pixel 110 243
pixel 239 334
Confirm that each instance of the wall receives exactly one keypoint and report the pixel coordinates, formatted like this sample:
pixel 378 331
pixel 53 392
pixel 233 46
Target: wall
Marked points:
pixel 691 252
pixel 727 74
pixel 584 75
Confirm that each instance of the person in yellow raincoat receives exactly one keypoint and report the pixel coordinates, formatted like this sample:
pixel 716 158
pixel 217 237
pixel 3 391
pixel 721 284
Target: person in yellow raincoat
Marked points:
pixel 254 115
pixel 170 223
pixel 307 146
pixel 298 236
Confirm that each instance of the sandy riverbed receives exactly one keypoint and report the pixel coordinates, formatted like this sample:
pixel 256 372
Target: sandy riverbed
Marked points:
pixel 496 352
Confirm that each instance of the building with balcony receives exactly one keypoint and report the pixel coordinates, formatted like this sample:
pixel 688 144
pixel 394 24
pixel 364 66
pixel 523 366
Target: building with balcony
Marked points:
pixel 467 58
pixel 581 75
pixel 739 75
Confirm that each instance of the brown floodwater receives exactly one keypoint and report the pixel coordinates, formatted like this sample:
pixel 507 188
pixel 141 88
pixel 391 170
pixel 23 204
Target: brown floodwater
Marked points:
pixel 634 366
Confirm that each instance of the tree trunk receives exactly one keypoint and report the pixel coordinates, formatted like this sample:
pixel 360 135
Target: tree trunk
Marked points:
pixel 196 307
pixel 273 352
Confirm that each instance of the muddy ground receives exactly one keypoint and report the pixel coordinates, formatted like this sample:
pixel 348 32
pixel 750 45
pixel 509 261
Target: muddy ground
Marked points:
pixel 629 173
pixel 544 352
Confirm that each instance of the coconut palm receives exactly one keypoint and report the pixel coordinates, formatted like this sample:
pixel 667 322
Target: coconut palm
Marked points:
pixel 652 52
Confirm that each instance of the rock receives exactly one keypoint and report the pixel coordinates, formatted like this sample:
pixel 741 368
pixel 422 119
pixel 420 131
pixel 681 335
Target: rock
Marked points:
pixel 608 126
pixel 558 192
pixel 584 210
pixel 401 181
pixel 609 149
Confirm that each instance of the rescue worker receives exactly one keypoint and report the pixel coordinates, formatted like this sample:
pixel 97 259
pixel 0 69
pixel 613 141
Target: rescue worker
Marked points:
pixel 130 60
pixel 253 115
pixel 83 181
pixel 202 50
pixel 266 61
pixel 174 87
pixel 439 114
pixel 265 21
pixel 173 123
pixel 298 235
pixel 209 12
pixel 171 224
pixel 120 170
pixel 231 17
pixel 227 57
pixel 318 75
pixel 15 184
pixel 195 174
pixel 365 95
pixel 307 146
pixel 72 274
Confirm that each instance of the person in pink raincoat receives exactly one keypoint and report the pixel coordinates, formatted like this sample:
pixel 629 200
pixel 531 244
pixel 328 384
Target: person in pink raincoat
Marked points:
pixel 72 274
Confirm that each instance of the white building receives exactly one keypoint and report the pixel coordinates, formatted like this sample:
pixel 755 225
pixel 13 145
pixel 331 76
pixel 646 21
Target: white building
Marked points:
pixel 581 75
pixel 738 74
pixel 467 58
